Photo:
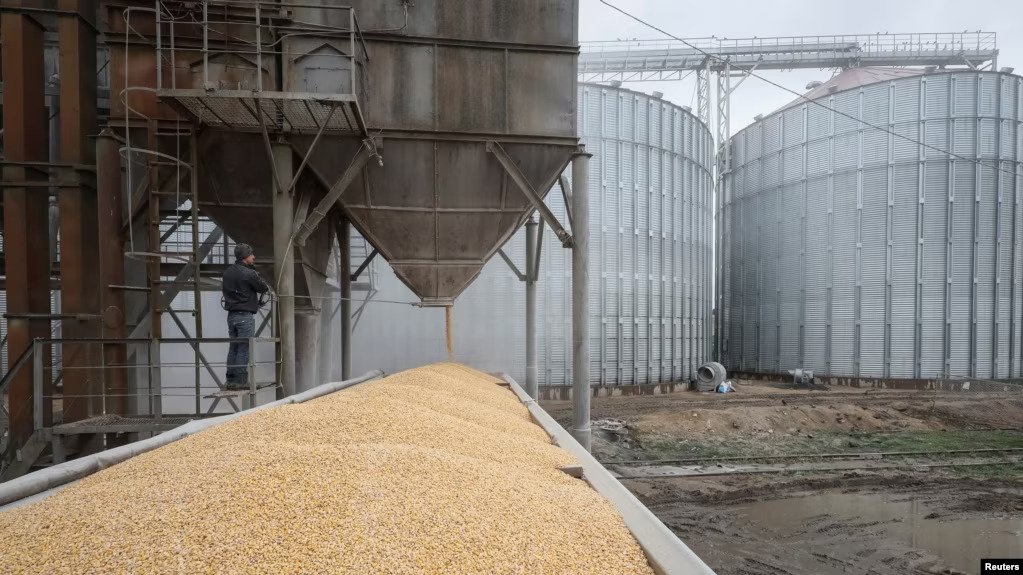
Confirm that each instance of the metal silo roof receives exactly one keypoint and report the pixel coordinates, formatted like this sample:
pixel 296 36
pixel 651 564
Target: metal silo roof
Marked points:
pixel 854 78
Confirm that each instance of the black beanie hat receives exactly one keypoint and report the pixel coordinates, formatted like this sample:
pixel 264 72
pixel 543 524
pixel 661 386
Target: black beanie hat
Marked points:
pixel 242 251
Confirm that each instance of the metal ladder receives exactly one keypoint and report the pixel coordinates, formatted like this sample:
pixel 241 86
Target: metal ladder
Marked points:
pixel 181 190
pixel 360 250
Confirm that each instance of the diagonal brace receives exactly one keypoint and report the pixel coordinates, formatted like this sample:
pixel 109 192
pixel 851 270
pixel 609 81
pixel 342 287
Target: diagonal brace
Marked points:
pixel 263 324
pixel 744 73
pixel 535 272
pixel 175 287
pixel 566 193
pixel 511 264
pixel 365 263
pixel 530 192
pixel 202 357
pixel 531 274
pixel 367 151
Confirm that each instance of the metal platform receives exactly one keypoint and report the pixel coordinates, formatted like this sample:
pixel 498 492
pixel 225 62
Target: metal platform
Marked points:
pixel 118 424
pixel 248 397
pixel 650 60
pixel 287 112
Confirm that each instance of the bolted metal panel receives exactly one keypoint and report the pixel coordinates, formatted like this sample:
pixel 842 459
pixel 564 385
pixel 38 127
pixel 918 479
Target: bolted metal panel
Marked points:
pixel 650 211
pixel 867 253
pixel 459 74
pixel 435 82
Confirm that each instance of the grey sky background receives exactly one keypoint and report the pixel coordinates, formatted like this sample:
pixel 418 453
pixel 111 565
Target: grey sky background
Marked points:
pixel 748 18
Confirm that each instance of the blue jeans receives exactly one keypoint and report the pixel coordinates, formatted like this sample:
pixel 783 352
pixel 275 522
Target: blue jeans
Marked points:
pixel 239 324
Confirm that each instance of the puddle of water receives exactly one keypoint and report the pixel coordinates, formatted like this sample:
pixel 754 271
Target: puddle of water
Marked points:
pixel 961 543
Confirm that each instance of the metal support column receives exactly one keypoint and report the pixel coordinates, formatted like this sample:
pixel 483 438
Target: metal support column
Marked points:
pixel 25 209
pixel 307 340
pixel 580 300
pixel 532 265
pixel 722 156
pixel 193 189
pixel 328 310
pixel 111 270
pixel 249 399
pixel 724 127
pixel 703 93
pixel 344 242
pixel 153 233
pixel 79 262
pixel 155 379
pixel 284 267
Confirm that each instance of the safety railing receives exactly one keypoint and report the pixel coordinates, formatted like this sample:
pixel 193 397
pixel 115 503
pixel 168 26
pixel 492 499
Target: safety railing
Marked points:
pixel 232 44
pixel 5 382
pixel 647 60
pixel 866 44
pixel 146 395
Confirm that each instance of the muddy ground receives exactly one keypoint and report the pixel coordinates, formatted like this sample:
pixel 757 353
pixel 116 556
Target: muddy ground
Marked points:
pixel 931 512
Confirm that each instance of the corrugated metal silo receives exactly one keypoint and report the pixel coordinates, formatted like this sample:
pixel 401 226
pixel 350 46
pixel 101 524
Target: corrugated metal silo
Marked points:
pixel 651 185
pixel 874 252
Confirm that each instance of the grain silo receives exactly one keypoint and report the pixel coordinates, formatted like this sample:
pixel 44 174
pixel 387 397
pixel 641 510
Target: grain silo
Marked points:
pixel 878 235
pixel 650 254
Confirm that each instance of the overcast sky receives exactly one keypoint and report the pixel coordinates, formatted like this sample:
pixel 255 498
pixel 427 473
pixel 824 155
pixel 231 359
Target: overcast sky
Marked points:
pixel 748 18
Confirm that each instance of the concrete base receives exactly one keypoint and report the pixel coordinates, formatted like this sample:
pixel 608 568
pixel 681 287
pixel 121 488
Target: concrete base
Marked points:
pixel 933 384
pixel 564 392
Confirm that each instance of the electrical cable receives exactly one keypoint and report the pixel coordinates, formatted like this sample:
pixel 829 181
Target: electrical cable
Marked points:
pixel 816 102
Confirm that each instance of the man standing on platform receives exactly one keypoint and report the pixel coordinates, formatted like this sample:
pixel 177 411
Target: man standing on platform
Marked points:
pixel 243 288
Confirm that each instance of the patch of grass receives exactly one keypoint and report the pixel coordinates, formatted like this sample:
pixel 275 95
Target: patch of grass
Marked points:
pixel 938 440
pixel 1006 471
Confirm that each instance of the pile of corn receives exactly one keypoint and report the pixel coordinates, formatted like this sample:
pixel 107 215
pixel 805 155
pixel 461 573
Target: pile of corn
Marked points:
pixel 432 470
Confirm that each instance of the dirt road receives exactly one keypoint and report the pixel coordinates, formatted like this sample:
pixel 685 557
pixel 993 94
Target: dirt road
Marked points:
pixel 930 515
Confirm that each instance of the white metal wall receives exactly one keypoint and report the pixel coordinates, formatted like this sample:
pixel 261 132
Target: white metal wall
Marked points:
pixel 651 188
pixel 853 251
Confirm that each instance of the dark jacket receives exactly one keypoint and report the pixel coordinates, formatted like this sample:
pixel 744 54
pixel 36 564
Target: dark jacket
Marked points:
pixel 242 286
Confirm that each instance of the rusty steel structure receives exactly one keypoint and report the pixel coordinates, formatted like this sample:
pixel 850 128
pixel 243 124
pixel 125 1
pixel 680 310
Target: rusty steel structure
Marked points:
pixel 432 128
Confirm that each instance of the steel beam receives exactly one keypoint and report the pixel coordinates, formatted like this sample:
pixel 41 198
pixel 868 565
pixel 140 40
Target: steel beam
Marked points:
pixel 325 364
pixel 193 342
pixel 529 191
pixel 365 264
pixel 175 287
pixel 334 194
pixel 109 186
pixel 284 266
pixel 566 194
pixel 26 210
pixel 344 242
pixel 79 246
pixel 580 301
pixel 511 265
pixel 532 257
pixel 307 339
pixel 658 60
pixel 703 92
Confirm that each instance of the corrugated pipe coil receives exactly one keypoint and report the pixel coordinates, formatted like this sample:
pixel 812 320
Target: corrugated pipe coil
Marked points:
pixel 710 376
